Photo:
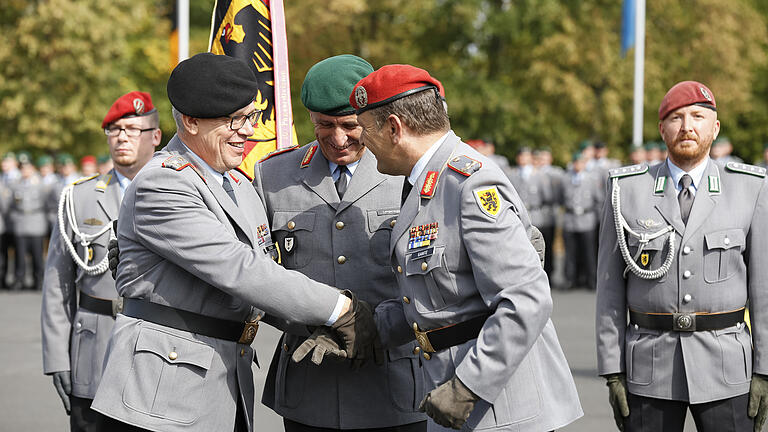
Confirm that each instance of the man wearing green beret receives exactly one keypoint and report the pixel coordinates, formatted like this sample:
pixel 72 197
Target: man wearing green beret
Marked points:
pixel 332 214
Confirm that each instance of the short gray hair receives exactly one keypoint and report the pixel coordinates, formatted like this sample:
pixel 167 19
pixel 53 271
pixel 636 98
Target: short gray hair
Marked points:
pixel 177 118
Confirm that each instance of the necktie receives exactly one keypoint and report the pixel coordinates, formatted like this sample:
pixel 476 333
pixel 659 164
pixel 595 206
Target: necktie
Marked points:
pixel 406 190
pixel 685 197
pixel 228 188
pixel 341 182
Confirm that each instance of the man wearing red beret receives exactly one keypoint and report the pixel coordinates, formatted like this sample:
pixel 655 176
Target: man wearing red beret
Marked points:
pixel 79 297
pixel 683 249
pixel 473 292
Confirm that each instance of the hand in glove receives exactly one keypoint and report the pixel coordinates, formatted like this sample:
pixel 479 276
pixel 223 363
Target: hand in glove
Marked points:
pixel 355 328
pixel 374 351
pixel 617 396
pixel 758 400
pixel 113 255
pixel 63 384
pixel 320 343
pixel 450 404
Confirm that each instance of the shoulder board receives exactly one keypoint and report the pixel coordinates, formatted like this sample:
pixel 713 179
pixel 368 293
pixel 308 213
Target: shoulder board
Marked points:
pixel 85 179
pixel 278 151
pixel 628 171
pixel 242 171
pixel 309 155
pixel 464 165
pixel 178 163
pixel 103 182
pixel 745 169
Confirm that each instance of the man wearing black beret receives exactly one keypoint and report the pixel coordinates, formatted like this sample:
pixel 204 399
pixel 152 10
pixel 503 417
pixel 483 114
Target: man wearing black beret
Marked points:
pixel 196 260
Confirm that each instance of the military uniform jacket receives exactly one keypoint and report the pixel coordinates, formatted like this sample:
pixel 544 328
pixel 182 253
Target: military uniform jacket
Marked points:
pixel 28 207
pixel 536 192
pixel 480 262
pixel 719 264
pixel 76 339
pixel 185 244
pixel 581 200
pixel 314 230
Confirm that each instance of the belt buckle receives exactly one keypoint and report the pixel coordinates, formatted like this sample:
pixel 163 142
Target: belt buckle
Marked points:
pixel 684 322
pixel 249 332
pixel 117 306
pixel 422 339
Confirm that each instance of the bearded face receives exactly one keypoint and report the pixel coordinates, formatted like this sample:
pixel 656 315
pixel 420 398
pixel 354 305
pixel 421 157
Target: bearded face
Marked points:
pixel 688 133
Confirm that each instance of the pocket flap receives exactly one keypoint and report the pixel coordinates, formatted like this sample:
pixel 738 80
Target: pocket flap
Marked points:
pixel 725 239
pixel 86 322
pixel 382 219
pixel 656 244
pixel 432 256
pixel 296 219
pixel 174 349
pixel 402 351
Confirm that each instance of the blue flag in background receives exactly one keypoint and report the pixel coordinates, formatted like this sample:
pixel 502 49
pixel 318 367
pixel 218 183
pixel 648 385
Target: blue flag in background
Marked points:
pixel 627 26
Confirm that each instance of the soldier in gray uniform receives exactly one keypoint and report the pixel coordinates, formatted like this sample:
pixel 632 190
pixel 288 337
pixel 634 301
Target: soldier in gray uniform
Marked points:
pixel 196 260
pixel 336 230
pixel 683 249
pixel 29 224
pixel 542 161
pixel 79 297
pixel 472 289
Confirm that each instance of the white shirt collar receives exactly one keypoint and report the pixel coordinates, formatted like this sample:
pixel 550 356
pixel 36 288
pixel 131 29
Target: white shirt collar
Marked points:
pixel 696 174
pixel 122 181
pixel 219 177
pixel 350 170
pixel 424 159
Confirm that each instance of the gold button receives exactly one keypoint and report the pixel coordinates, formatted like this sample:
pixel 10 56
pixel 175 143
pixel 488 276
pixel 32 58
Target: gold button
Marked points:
pixel 339 225
pixel 341 259
pixel 426 356
pixel 242 352
pixel 424 266
pixel 392 223
pixel 173 355
pixel 399 269
pixel 407 300
pixel 291 225
pixel 416 350
pixel 285 347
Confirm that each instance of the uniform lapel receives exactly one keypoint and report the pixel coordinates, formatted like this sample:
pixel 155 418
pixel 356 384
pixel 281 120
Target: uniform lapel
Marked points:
pixel 703 203
pixel 109 196
pixel 667 205
pixel 361 184
pixel 317 177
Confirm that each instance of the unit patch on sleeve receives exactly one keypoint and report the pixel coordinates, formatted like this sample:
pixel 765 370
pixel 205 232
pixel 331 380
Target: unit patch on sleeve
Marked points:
pixel 488 200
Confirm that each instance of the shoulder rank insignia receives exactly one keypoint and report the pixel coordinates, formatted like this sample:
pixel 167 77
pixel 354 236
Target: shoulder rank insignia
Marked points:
pixel 84 179
pixel 429 184
pixel 308 156
pixel 488 200
pixel 464 165
pixel 178 163
pixel 278 151
pixel 713 182
pixel 745 169
pixel 628 170
pixel 242 171
pixel 103 182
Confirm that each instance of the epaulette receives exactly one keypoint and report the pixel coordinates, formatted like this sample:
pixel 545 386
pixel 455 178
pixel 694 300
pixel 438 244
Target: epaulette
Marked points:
pixel 277 152
pixel 103 182
pixel 628 171
pixel 242 171
pixel 308 156
pixel 464 165
pixel 745 169
pixel 85 179
pixel 178 163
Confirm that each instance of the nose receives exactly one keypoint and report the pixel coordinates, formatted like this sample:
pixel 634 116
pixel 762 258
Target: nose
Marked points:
pixel 339 136
pixel 247 129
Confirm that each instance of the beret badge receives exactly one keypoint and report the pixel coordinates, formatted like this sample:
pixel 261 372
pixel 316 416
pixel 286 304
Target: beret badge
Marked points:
pixel 138 106
pixel 361 97
pixel 705 93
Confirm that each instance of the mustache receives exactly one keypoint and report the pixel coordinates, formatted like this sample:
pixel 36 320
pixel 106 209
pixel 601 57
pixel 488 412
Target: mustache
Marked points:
pixel 687 136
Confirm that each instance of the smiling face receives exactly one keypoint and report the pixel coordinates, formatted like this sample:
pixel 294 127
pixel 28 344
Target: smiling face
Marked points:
pixel 688 133
pixel 219 146
pixel 339 137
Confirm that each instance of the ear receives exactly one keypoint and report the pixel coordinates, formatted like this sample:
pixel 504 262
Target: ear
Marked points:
pixel 395 128
pixel 717 130
pixel 191 124
pixel 157 135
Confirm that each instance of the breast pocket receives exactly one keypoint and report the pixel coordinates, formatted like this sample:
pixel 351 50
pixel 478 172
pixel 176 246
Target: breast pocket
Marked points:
pixel 653 253
pixel 438 290
pixel 723 254
pixel 168 376
pixel 294 236
pixel 380 224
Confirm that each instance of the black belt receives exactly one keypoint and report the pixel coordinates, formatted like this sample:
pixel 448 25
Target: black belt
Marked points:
pixel 241 332
pixel 686 321
pixel 448 336
pixel 101 306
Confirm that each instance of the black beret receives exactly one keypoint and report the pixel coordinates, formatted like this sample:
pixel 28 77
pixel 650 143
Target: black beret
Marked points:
pixel 207 85
pixel 328 84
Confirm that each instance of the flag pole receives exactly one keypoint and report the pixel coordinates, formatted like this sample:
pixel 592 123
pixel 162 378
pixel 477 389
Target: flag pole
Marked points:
pixel 637 111
pixel 182 20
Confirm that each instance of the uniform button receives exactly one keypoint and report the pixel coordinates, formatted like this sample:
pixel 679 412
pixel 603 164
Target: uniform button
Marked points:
pixel 426 356
pixel 407 300
pixel 687 298
pixel 424 266
pixel 79 324
pixel 636 327
pixel 341 259
pixel 686 274
pixel 686 250
pixel 291 224
pixel 285 347
pixel 416 350
pixel 399 269
pixel 173 355
pixel 392 223
pixel 726 241
pixel 242 352
pixel 339 225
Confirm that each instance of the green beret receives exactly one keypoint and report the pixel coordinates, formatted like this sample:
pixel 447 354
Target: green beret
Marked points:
pixel 24 158
pixel 64 158
pixel 584 144
pixel 575 156
pixel 651 145
pixel 328 84
pixel 9 155
pixel 103 159
pixel 44 160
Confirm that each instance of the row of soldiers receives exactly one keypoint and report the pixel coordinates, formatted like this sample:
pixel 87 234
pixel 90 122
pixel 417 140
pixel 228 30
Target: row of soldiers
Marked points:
pixel 29 195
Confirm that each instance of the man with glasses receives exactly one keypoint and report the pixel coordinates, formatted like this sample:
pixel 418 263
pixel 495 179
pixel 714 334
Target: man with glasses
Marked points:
pixel 196 260
pixel 79 297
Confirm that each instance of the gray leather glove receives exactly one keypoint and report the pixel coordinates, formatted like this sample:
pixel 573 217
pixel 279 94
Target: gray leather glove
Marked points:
pixel 320 343
pixel 113 255
pixel 356 328
pixel 450 404
pixel 62 382
pixel 617 396
pixel 537 240
pixel 758 400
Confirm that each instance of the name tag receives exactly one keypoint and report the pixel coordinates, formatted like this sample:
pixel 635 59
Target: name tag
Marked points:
pixel 426 253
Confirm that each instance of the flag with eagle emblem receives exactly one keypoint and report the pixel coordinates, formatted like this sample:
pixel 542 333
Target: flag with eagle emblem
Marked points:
pixel 254 31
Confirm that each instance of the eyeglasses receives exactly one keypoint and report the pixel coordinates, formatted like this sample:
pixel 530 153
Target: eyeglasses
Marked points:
pixel 237 122
pixel 129 132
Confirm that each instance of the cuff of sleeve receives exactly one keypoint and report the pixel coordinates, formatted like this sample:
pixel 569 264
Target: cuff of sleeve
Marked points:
pixel 337 310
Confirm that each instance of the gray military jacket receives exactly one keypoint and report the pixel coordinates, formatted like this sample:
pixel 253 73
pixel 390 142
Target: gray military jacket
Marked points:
pixel 345 244
pixel 536 192
pixel 75 339
pixel 480 262
pixel 581 200
pixel 719 264
pixel 28 207
pixel 184 243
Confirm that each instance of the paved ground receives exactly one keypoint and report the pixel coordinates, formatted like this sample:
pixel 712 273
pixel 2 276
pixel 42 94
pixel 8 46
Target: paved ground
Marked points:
pixel 29 403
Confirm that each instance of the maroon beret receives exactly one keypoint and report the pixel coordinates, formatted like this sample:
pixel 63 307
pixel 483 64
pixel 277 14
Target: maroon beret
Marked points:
pixel 686 93
pixel 389 84
pixel 133 104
